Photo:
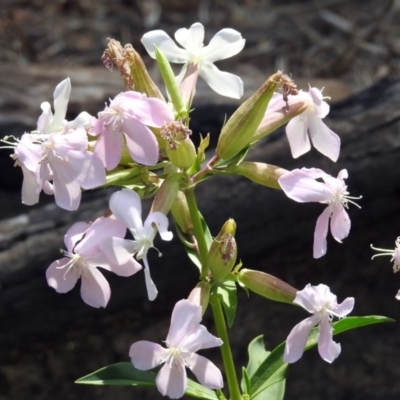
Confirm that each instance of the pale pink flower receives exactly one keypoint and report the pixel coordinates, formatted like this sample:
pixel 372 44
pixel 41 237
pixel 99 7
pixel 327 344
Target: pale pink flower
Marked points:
pixel 395 254
pixel 128 116
pixel 185 337
pixel 308 125
pixel 127 208
pixel 301 185
pixel 84 256
pixel 317 300
pixel 59 164
pixel 225 44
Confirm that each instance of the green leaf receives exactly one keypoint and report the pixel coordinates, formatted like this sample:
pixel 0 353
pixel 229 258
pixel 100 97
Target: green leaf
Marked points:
pixel 257 354
pixel 226 292
pixel 245 384
pixel 233 161
pixel 273 370
pixel 274 392
pixel 125 374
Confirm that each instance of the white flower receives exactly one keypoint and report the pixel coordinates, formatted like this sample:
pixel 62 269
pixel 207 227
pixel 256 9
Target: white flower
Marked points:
pixel 317 300
pixel 226 43
pixel 127 208
pixel 185 337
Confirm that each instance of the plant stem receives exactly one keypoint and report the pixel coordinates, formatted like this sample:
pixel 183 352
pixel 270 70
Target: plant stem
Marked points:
pixel 227 358
pixel 197 229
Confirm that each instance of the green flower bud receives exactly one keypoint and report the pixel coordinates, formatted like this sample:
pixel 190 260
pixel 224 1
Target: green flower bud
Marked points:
pixel 223 251
pixel 183 155
pixel 273 120
pixel 166 194
pixel 200 295
pixel 261 173
pixel 170 82
pixel 239 130
pixel 267 285
pixel 180 213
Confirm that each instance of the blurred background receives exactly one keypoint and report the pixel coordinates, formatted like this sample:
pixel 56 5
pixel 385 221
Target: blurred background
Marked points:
pixel 346 46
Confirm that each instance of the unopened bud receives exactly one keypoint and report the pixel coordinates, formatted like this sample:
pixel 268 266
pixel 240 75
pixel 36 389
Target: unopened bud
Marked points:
pixel 132 68
pixel 181 214
pixel 223 251
pixel 239 130
pixel 261 173
pixel 267 285
pixel 273 120
pixel 200 295
pixel 166 194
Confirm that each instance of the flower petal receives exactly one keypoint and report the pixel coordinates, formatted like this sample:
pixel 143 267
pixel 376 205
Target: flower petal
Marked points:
pixel 147 355
pixel 164 43
pixel 185 318
pixel 95 289
pixel 30 189
pixel 206 372
pixel 61 96
pixel 46 117
pixel 199 339
pixel 83 120
pixel 191 39
pixel 141 142
pixel 127 207
pixel 161 222
pixel 327 348
pixel 323 139
pixel 344 308
pixel 224 83
pixel 58 278
pixel 225 43
pixel 74 234
pixel 340 224
pixel 150 285
pixel 321 107
pixel 307 298
pixel 171 380
pixel 118 251
pixel 300 185
pixel 297 339
pixel 296 132
pixel 320 233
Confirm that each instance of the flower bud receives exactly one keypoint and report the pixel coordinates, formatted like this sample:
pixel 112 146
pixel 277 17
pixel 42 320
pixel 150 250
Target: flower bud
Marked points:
pixel 180 213
pixel 132 68
pixel 200 295
pixel 166 194
pixel 273 120
pixel 267 285
pixel 261 173
pixel 239 130
pixel 183 155
pixel 223 251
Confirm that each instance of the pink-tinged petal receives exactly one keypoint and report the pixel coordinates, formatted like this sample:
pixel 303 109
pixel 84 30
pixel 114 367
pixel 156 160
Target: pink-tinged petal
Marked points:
pixel 74 139
pixel 343 174
pixel 206 372
pixel 307 298
pixel 150 111
pixel 58 278
pixel 340 224
pixel 141 142
pixel 296 132
pixel 84 119
pixel 109 146
pixel 128 269
pixel 95 289
pixel 224 83
pixel 147 355
pixel 199 339
pixel 101 228
pixel 67 191
pixel 321 107
pixel 75 234
pixel 152 291
pixel 28 153
pixel 398 295
pixel 117 251
pixel 185 318
pixel 344 308
pixel 48 188
pixel 300 187
pixel 61 96
pixel 225 44
pixel 323 139
pixel 127 207
pixel 171 381
pixel 276 103
pixel 327 348
pixel 161 222
pixel 30 189
pixel 297 339
pixel 191 38
pixel 45 118
pixel 164 43
pixel 320 234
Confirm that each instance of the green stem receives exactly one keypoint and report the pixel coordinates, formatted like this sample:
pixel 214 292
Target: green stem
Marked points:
pixel 227 358
pixel 197 229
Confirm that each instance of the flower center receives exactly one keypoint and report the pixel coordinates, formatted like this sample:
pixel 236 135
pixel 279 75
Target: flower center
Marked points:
pixel 77 265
